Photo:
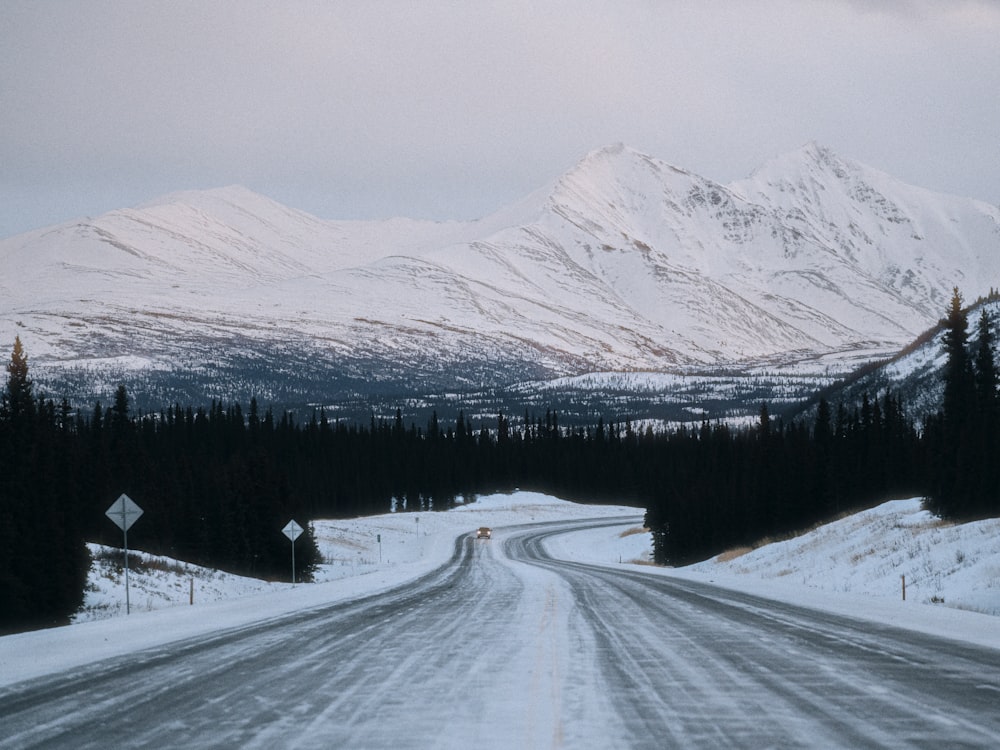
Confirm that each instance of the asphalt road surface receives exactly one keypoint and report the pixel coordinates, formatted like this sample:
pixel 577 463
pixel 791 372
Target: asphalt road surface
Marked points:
pixel 507 648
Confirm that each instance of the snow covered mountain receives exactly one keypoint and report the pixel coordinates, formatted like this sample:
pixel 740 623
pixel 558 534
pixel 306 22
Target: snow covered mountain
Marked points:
pixel 624 263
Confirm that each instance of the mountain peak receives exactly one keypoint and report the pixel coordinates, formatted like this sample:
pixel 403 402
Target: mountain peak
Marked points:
pixel 211 199
pixel 603 163
pixel 812 158
pixel 611 149
pixel 606 173
pixel 621 156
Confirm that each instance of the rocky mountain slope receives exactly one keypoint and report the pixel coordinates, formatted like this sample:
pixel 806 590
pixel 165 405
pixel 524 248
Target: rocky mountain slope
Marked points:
pixel 624 263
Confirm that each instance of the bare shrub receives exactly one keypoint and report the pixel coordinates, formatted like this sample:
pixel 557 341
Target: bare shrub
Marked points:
pixel 633 532
pixel 732 554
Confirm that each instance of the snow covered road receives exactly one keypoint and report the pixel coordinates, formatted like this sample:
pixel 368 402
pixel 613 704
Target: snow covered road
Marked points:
pixel 505 647
pixel 688 664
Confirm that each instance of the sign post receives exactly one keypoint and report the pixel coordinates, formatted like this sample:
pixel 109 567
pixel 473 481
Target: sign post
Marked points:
pixel 292 531
pixel 124 513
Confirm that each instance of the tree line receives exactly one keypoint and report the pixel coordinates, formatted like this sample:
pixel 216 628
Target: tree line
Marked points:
pixel 218 483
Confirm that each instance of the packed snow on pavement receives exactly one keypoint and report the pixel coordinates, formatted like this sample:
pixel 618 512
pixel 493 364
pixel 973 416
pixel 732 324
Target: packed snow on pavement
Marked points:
pixel 852 566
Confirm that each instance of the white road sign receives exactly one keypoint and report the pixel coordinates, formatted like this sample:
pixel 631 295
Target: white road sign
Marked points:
pixel 124 512
pixel 292 530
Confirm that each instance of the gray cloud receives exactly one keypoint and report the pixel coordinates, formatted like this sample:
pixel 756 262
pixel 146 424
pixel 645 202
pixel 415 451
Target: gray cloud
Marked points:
pixel 450 110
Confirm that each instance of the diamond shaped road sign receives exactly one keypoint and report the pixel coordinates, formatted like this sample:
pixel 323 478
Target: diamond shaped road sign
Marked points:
pixel 124 512
pixel 292 530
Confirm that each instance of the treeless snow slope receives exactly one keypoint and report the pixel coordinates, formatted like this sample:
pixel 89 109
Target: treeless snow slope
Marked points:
pixel 870 553
pixel 623 263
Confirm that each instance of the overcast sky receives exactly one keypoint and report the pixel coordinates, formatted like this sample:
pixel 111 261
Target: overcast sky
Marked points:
pixel 435 109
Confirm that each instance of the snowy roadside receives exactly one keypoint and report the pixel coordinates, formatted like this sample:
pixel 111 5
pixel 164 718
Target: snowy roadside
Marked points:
pixel 363 556
pixel 406 544
pixel 856 566
pixel 852 566
pixel 871 552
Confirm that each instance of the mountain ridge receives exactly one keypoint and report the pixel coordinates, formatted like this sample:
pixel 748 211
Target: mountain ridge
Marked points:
pixel 623 263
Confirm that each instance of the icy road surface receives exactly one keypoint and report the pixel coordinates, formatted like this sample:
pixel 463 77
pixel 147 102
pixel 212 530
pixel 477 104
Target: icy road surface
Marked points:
pixel 505 647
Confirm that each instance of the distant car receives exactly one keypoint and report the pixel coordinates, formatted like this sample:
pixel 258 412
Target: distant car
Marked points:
pixel 484 532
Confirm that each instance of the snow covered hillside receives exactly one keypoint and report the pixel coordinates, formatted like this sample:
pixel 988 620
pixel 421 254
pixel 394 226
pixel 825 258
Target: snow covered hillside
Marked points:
pixel 624 263
pixel 873 552
pixel 914 375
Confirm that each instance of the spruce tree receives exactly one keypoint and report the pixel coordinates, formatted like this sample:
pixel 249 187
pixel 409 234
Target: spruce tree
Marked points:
pixel 986 372
pixel 951 495
pixel 986 489
pixel 823 485
pixel 18 401
pixel 43 560
pixel 959 382
pixel 119 411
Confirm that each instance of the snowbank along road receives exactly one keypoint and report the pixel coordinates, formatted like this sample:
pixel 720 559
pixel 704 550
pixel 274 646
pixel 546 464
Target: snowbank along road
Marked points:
pixel 506 647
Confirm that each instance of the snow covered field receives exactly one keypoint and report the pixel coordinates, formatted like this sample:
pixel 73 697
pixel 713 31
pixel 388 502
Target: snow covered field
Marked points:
pixel 852 566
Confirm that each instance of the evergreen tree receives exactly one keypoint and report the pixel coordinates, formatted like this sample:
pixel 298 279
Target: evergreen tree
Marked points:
pixel 823 486
pixel 119 411
pixel 986 372
pixel 18 400
pixel 985 442
pixel 43 560
pixel 955 449
pixel 959 381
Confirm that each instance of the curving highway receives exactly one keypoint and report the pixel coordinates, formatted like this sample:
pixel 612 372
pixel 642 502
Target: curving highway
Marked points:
pixel 505 647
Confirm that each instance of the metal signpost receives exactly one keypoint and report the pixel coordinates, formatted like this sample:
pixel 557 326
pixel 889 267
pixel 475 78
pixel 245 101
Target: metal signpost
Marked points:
pixel 124 513
pixel 292 531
